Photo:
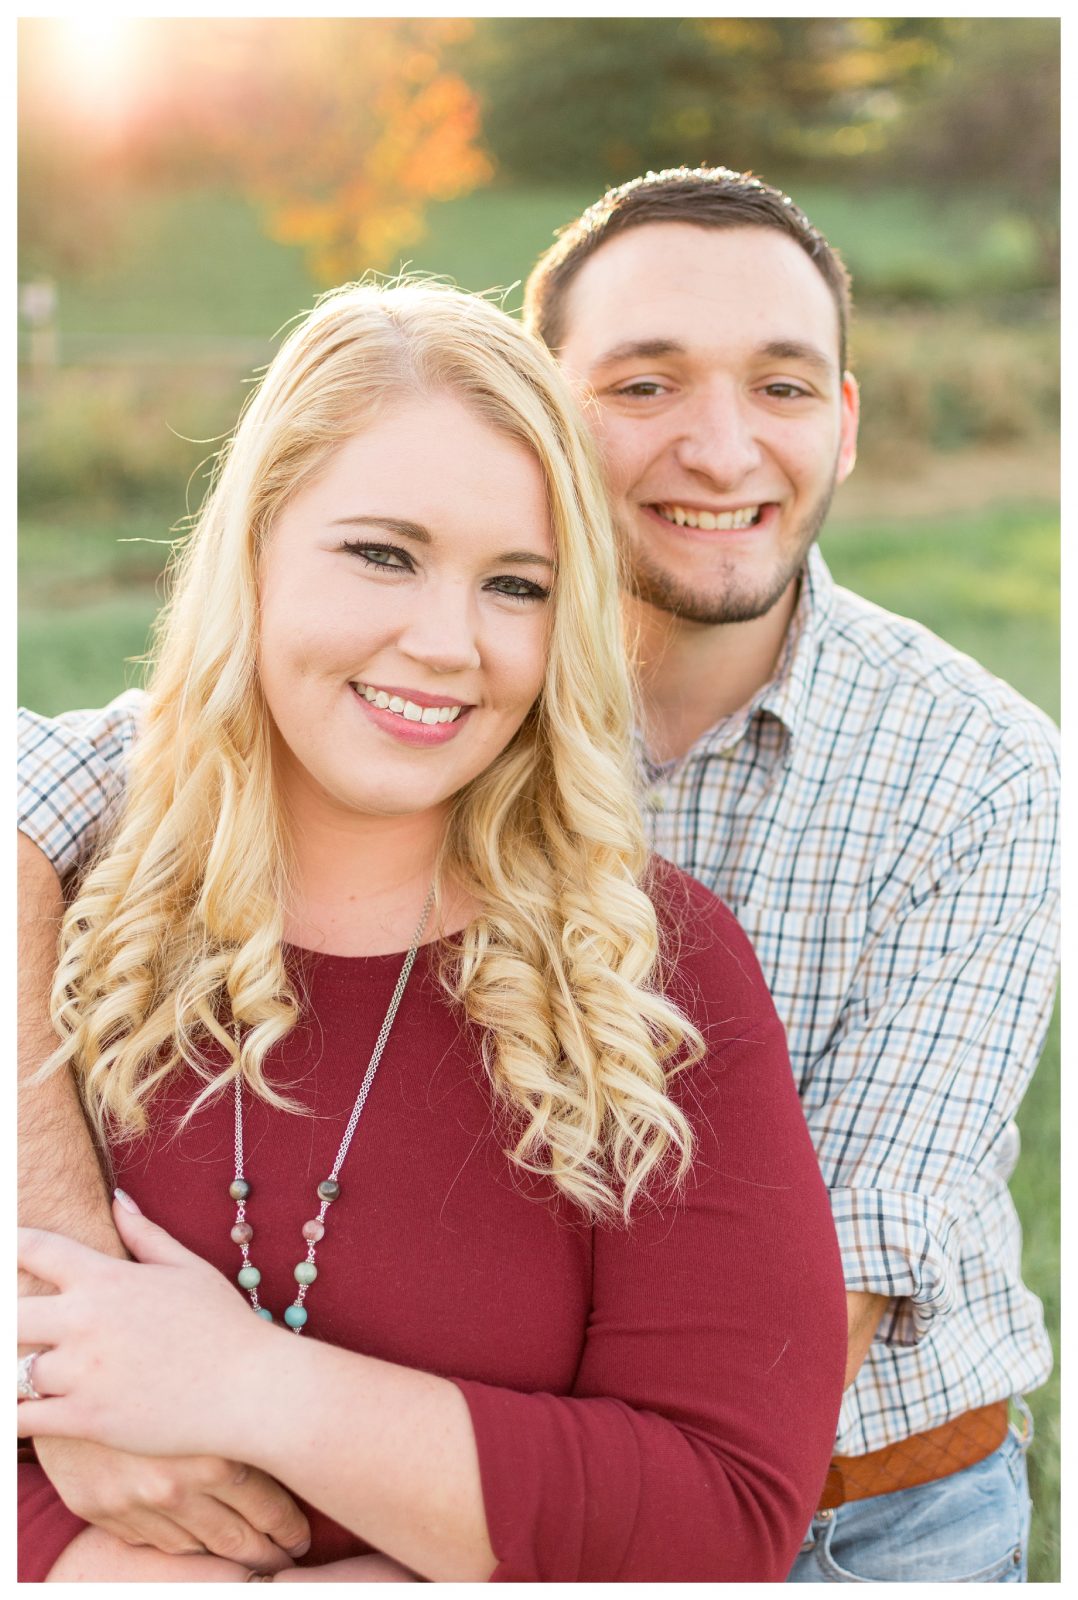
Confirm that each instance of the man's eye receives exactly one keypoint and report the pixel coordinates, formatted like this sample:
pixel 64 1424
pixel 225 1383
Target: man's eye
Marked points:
pixel 518 588
pixel 643 389
pixel 390 556
pixel 785 391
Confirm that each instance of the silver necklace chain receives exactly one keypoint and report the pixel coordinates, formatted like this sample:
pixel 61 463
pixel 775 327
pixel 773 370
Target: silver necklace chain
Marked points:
pixel 249 1276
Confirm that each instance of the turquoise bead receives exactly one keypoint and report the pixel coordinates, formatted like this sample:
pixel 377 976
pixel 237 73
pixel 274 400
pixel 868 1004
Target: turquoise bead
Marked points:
pixel 248 1277
pixel 295 1316
pixel 306 1272
pixel 267 1316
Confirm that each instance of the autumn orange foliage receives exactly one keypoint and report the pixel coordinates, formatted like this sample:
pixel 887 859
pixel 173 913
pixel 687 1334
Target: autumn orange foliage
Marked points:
pixel 359 127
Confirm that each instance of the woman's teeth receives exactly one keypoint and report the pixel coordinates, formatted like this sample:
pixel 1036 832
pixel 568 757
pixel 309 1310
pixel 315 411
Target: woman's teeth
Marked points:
pixel 709 520
pixel 408 708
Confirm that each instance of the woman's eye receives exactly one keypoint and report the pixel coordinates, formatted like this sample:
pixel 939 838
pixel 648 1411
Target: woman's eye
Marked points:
pixel 518 588
pixel 389 556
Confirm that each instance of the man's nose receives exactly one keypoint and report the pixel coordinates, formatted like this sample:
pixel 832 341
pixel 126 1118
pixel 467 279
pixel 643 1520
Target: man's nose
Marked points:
pixel 442 633
pixel 718 439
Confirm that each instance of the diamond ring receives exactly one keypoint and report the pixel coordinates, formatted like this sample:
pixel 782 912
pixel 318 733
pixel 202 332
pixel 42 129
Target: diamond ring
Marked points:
pixel 26 1377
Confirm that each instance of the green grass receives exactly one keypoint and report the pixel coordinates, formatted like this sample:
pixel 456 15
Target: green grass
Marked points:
pixel 192 262
pixel 916 241
pixel 986 581
pixel 1035 1187
pixel 198 261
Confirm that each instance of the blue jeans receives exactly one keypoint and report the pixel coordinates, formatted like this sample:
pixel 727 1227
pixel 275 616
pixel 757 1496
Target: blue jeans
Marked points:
pixel 971 1527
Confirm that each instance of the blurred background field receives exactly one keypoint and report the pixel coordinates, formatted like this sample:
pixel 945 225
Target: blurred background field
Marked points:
pixel 177 208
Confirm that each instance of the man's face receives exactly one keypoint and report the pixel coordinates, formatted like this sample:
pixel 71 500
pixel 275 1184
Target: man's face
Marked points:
pixel 723 417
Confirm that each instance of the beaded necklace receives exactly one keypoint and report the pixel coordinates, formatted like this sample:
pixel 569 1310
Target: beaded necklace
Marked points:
pixel 329 1189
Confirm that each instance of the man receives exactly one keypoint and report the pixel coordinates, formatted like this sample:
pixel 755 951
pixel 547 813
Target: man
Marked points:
pixel 879 812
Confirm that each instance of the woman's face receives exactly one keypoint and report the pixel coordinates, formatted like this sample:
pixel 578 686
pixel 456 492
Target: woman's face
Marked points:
pixel 405 613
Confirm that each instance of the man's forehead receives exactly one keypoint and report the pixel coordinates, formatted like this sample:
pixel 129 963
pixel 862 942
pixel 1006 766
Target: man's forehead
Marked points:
pixel 674 284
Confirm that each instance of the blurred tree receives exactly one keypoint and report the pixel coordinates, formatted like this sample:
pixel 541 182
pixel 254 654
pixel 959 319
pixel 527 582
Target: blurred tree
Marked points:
pixel 601 98
pixel 990 119
pixel 346 131
pixel 342 129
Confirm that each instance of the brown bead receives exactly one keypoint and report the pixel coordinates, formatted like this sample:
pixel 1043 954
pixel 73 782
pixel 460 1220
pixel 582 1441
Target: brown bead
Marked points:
pixel 239 1189
pixel 329 1189
pixel 242 1233
pixel 313 1230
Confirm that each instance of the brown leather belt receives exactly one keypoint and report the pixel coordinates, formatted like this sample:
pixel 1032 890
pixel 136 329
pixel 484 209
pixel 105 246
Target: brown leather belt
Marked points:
pixel 922 1458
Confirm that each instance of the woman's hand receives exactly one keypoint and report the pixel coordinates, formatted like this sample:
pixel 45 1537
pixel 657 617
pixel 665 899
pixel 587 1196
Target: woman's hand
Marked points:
pixel 159 1355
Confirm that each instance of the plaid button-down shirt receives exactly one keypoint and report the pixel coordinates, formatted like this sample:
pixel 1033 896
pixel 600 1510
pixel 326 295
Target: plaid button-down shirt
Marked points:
pixel 883 821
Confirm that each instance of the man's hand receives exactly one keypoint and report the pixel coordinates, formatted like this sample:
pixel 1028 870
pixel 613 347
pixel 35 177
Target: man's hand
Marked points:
pixel 178 1504
pixel 175 1503
pixel 863 1312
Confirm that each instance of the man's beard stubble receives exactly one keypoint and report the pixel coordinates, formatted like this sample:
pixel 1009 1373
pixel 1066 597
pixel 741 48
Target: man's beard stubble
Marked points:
pixel 728 601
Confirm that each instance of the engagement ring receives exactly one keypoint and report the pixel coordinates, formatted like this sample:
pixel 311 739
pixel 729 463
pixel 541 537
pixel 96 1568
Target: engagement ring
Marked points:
pixel 26 1377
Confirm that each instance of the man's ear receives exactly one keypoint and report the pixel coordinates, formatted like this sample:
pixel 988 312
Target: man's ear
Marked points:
pixel 851 412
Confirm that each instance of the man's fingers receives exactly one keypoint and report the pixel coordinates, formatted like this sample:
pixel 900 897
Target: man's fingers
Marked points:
pixel 226 1533
pixel 202 1525
pixel 151 1530
pixel 262 1502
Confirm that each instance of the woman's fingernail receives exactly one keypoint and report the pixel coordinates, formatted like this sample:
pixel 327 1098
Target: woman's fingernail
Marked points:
pixel 127 1202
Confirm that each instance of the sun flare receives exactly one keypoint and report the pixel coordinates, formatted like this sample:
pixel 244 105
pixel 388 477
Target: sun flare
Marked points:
pixel 95 55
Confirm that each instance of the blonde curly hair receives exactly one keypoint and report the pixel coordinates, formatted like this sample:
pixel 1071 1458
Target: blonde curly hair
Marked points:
pixel 175 938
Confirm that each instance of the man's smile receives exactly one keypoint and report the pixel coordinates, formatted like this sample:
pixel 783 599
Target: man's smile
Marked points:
pixel 685 516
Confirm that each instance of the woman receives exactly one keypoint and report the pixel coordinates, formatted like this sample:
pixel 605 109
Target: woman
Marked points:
pixel 575 1304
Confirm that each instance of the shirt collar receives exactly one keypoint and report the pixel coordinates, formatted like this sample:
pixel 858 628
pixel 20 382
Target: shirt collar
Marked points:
pixel 785 695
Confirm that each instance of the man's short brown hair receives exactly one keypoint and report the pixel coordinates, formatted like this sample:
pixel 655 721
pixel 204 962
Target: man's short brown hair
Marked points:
pixel 706 197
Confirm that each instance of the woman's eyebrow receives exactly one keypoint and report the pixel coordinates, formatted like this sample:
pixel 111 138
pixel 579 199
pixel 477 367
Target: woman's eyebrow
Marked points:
pixel 422 535
pixel 525 558
pixel 407 530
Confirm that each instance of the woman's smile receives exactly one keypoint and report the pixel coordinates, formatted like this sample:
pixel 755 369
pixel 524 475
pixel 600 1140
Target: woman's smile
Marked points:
pixel 418 719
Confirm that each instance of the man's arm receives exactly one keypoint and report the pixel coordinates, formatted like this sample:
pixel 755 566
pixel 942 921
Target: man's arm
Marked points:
pixel 864 1312
pixel 54 1140
pixel 940 1038
pixel 173 1504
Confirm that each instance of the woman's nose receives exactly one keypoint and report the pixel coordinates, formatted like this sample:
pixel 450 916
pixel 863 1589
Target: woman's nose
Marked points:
pixel 442 634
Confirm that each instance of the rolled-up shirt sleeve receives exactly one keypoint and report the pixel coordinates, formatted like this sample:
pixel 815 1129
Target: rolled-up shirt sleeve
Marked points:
pixel 698 1432
pixel 911 1108
pixel 71 776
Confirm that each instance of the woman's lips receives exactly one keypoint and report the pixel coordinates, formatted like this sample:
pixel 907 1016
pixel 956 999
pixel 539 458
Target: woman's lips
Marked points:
pixel 420 734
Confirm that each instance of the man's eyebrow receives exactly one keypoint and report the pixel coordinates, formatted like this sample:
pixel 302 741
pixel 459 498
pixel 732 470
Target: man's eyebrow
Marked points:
pixel 809 355
pixel 422 535
pixel 640 350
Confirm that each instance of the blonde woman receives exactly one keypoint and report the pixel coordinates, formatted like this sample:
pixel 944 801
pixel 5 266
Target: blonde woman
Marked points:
pixel 508 1256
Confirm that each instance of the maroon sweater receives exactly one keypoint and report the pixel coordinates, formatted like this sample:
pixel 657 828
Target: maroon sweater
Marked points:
pixel 657 1402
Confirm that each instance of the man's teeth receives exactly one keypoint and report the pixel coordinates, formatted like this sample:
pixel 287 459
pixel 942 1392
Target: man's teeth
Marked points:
pixel 709 520
pixel 408 708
